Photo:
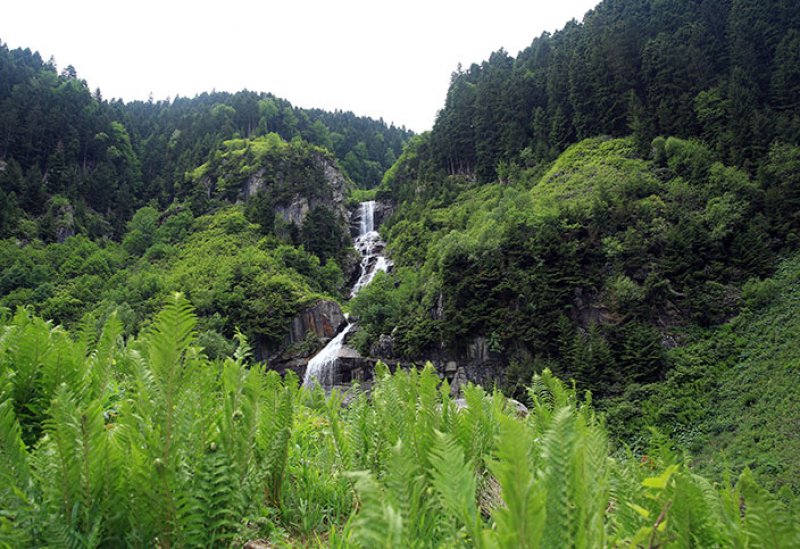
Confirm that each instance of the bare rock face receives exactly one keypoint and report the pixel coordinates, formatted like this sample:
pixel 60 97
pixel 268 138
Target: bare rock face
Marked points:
pixel 338 186
pixel 384 347
pixel 478 350
pixel 253 184
pixel 295 212
pixel 476 362
pixel 308 333
pixel 65 223
pixel 331 194
pixel 324 320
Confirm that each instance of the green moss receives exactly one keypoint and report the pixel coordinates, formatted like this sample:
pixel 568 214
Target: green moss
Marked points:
pixel 363 195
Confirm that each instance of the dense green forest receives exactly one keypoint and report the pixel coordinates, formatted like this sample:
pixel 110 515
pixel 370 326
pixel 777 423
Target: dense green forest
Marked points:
pixel 605 228
pixel 73 162
pixel 725 71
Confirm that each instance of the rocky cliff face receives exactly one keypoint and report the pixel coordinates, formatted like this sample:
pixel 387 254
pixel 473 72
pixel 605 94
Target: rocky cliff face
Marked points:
pixel 476 362
pixel 308 333
pixel 294 209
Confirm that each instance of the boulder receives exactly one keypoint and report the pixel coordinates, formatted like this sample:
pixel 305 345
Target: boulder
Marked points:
pixel 258 544
pixel 459 379
pixel 520 408
pixel 384 347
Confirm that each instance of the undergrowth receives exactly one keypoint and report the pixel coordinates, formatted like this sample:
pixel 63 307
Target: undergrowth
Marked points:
pixel 148 443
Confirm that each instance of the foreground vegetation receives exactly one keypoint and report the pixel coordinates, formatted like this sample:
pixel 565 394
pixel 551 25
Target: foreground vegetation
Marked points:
pixel 143 442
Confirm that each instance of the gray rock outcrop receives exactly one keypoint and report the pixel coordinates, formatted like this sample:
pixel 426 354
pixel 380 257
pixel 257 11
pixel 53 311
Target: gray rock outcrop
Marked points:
pixel 330 194
pixel 324 320
pixel 308 333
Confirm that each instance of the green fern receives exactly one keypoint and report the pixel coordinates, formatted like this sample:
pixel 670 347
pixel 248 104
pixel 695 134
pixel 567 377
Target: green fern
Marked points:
pixel 405 493
pixel 102 361
pixel 221 500
pixel 279 449
pixel 766 522
pixel 455 483
pixel 378 523
pixel 16 485
pixel 521 520
pixel 148 443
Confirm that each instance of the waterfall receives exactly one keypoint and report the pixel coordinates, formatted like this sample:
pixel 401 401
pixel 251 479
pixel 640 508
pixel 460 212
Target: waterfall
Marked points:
pixel 367 213
pixel 322 367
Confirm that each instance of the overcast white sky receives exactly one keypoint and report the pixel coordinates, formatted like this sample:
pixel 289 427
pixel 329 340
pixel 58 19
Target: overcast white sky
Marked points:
pixel 375 58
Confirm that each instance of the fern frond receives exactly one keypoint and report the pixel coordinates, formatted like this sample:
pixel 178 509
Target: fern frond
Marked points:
pixel 455 483
pixel 279 449
pixel 29 345
pixel 476 426
pixel 377 523
pixel 102 360
pixel 244 350
pixel 169 337
pixel 220 497
pixel 766 522
pixel 558 462
pixel 521 521
pixel 590 483
pixel 16 484
pixel 341 443
pixel 426 422
pixel 405 486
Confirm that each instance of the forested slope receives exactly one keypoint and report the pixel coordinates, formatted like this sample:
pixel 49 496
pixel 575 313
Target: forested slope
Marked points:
pixel 74 162
pixel 726 71
pixel 249 267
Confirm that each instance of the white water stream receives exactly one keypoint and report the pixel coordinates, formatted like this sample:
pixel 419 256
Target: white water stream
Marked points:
pixel 322 367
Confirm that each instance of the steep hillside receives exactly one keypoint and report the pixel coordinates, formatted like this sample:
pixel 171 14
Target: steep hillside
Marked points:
pixel 731 397
pixel 592 265
pixel 593 204
pixel 251 266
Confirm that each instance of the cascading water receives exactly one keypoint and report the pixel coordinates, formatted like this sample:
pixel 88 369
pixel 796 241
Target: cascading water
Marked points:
pixel 322 368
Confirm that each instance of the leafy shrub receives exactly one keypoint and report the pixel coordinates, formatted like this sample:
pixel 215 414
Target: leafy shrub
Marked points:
pixel 759 293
